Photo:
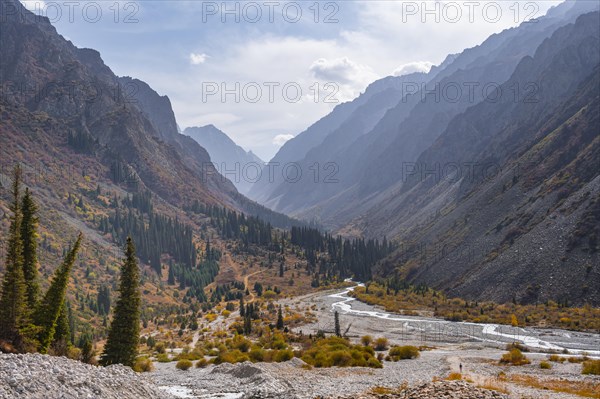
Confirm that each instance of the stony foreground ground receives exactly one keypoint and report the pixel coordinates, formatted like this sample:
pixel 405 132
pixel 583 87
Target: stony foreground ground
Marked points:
pixel 45 377
pixel 35 376
pixel 439 389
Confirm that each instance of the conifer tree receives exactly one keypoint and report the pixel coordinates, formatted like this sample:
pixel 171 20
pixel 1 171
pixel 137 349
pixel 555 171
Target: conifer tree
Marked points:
pixel 242 310
pixel 50 307
pixel 338 330
pixel 72 322
pixel 12 302
pixel 123 336
pixel 62 334
pixel 87 351
pixel 29 238
pixel 247 324
pixel 279 319
pixel 171 277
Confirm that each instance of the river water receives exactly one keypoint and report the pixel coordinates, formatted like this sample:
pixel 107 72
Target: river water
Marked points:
pixel 439 330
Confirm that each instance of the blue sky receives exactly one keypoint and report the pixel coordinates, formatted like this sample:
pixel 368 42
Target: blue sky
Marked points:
pixel 192 50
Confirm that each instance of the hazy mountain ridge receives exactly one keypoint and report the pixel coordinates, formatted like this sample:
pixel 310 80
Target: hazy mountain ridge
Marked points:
pixel 335 166
pixel 226 155
pixel 385 187
pixel 368 165
pixel 320 136
pixel 516 233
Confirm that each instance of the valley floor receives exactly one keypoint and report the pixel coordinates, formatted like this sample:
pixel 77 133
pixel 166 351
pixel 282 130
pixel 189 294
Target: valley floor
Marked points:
pixel 478 348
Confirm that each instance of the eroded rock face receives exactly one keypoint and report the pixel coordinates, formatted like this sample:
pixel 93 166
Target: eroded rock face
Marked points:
pixel 33 376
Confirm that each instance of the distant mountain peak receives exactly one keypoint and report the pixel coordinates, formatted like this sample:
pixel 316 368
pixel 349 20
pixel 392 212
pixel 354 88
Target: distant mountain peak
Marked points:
pixel 225 153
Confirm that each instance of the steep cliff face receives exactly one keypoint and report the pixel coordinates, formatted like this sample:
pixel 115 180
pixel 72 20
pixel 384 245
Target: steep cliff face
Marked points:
pixel 502 203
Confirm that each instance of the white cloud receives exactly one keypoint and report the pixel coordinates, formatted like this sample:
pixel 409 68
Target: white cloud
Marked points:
pixel 412 67
pixel 197 59
pixel 280 139
pixel 351 77
pixel 342 70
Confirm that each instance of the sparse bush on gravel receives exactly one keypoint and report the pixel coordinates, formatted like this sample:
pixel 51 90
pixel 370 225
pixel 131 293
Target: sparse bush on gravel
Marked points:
pixel 231 356
pixel 257 354
pixel 143 365
pixel 184 364
pixel 283 355
pixel 366 340
pixel 454 377
pixel 163 358
pixel 241 344
pixel 556 358
pixel 381 344
pixel 201 363
pixel 545 365
pixel 160 347
pixel 591 367
pixel 193 355
pixel 339 352
pixel 515 358
pixel 404 352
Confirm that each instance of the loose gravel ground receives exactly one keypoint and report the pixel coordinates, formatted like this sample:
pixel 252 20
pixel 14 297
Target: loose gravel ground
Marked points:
pixel 291 380
pixel 33 376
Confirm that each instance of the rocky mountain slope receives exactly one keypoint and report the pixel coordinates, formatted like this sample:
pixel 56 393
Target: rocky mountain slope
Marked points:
pixel 241 167
pixel 504 203
pixel 421 175
pixel 326 167
pixel 121 122
pixel 45 74
pixel 99 152
pixel 362 166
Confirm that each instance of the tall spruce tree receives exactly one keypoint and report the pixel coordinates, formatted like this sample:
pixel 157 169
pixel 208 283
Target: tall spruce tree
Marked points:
pixel 13 312
pixel 123 336
pixel 62 334
pixel 29 237
pixel 279 319
pixel 87 351
pixel 50 307
pixel 242 310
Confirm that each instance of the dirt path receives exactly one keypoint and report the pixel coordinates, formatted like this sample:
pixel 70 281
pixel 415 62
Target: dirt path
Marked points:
pixel 247 287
